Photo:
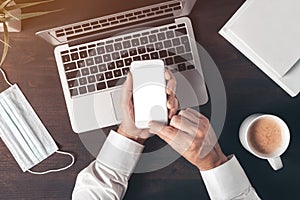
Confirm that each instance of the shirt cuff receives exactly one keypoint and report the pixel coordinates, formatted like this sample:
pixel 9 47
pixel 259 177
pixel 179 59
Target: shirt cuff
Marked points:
pixel 120 153
pixel 226 181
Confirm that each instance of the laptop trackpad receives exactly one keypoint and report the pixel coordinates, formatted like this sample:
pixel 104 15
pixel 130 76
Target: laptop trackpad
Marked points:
pixel 115 95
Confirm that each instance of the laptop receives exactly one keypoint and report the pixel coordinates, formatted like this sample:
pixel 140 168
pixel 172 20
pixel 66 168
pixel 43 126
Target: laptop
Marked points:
pixel 94 56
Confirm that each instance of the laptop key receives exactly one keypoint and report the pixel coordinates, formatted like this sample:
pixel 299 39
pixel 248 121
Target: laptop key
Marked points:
pixel 70 66
pixel 73 83
pixel 117 73
pixel 159 46
pixel 167 44
pixel 136 58
pixel 136 35
pixel 145 57
pixel 118 46
pixel 107 58
pixel 184 40
pixel 161 36
pixel 135 42
pixel 85 72
pixel 111 66
pixel 65 58
pixel 109 75
pixel 100 50
pixel 120 63
pixel 128 61
pixel 116 55
pixel 172 52
pixel 179 32
pixel 163 54
pixel 83 81
pixel 141 50
pixel 99 77
pixel 78 30
pixel 124 54
pixel 154 55
pixel 187 47
pixel 170 34
pixel 91 88
pixel 92 52
pixel 176 41
pixel 180 50
pixel 83 54
pixel 92 79
pixel 92 45
pixel 74 56
pixel 116 82
pixel 109 48
pixel 152 38
pixel 80 64
pixel 102 68
pixel 98 59
pixel 125 71
pixel 73 74
pixel 126 44
pixel 145 33
pixel 93 69
pixel 150 47
pixel 144 40
pixel 101 86
pixel 89 61
pixel 181 67
pixel 169 61
pixel 132 52
pixel 74 92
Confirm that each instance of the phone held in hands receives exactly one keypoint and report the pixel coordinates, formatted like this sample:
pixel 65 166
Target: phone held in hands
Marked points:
pixel 149 92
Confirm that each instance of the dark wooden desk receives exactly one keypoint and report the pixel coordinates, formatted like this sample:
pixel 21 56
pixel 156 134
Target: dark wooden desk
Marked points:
pixel 31 64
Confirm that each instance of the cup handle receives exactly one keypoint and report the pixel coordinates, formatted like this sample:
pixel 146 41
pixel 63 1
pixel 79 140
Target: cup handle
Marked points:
pixel 275 163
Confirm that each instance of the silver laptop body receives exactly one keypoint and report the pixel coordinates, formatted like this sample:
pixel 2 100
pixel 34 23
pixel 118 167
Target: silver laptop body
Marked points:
pixel 94 56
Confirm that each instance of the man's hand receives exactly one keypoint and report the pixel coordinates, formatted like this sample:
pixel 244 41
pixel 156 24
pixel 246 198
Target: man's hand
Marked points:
pixel 127 127
pixel 191 135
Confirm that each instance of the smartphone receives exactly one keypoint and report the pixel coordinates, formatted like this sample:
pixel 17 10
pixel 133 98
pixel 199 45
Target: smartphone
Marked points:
pixel 149 92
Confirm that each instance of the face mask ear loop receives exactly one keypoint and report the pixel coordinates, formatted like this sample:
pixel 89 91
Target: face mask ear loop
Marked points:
pixel 5 77
pixel 56 170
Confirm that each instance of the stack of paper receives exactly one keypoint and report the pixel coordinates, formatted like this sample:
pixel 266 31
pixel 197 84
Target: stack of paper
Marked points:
pixel 268 33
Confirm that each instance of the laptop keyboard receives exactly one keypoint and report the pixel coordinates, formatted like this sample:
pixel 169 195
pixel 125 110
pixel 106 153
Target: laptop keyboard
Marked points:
pixel 125 19
pixel 104 64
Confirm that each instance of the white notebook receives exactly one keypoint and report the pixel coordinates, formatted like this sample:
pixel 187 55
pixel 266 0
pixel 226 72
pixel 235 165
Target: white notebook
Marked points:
pixel 268 33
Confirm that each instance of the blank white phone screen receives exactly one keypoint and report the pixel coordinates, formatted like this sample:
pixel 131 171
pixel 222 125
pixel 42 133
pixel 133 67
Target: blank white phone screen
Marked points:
pixel 149 92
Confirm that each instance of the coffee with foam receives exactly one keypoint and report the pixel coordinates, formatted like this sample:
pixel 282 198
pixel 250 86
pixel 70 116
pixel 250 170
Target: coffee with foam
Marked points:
pixel 265 136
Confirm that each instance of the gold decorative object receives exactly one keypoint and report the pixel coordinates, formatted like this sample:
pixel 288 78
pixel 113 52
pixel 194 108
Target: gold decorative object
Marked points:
pixel 6 16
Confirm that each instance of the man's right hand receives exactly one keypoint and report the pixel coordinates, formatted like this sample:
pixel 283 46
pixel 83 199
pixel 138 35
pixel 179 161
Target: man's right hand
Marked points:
pixel 191 135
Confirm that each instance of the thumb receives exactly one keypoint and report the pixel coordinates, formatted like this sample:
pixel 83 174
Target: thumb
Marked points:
pixel 126 92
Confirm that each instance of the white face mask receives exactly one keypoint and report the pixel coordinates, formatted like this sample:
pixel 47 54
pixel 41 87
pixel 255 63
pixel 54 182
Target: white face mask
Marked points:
pixel 23 132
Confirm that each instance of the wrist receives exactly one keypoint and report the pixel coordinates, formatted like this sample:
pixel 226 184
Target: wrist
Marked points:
pixel 131 137
pixel 211 161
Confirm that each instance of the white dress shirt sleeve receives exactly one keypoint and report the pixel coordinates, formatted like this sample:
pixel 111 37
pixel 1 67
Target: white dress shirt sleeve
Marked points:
pixel 228 181
pixel 107 177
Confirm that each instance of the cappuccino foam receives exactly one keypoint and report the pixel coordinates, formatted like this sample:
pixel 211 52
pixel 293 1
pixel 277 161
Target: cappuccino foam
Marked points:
pixel 265 135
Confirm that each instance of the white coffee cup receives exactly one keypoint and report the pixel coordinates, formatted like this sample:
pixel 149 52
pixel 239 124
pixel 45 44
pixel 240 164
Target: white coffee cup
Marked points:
pixel 273 158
